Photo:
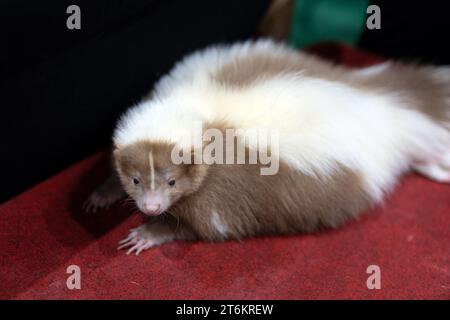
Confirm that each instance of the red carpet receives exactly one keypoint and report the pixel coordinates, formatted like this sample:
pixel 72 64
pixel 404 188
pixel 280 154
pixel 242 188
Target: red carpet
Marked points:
pixel 42 232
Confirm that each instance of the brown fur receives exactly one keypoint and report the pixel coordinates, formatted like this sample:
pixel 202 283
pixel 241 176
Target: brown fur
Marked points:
pixel 418 85
pixel 251 204
pixel 246 202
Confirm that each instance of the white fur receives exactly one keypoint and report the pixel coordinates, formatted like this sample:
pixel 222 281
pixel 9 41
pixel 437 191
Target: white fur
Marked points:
pixel 321 123
pixel 152 171
pixel 446 160
pixel 434 172
pixel 218 224
pixel 373 70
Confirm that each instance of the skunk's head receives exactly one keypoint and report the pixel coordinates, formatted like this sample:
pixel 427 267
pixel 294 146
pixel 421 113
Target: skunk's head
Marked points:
pixel 152 179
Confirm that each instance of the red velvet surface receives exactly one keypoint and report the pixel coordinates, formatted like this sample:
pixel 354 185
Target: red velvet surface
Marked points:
pixel 42 232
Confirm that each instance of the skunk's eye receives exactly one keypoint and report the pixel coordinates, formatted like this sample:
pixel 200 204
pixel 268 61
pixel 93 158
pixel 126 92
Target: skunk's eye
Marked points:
pixel 171 182
pixel 136 181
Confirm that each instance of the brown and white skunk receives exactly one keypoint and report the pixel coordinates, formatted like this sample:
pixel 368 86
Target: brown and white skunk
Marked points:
pixel 344 139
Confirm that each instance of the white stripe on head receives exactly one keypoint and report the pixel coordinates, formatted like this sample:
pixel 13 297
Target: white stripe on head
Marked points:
pixel 152 171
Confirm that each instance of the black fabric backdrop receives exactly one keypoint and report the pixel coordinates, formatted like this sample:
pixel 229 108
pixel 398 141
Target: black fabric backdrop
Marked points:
pixel 415 31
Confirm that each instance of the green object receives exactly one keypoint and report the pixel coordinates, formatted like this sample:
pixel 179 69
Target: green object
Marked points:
pixel 328 20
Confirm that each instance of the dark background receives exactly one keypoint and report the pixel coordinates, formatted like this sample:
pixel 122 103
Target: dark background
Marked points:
pixel 416 31
pixel 62 90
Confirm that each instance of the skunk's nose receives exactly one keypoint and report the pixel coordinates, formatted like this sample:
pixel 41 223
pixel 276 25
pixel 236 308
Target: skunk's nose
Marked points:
pixel 151 208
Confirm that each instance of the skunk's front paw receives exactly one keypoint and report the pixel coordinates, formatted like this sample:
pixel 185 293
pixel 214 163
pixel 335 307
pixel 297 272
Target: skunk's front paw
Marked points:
pixel 141 239
pixel 98 201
